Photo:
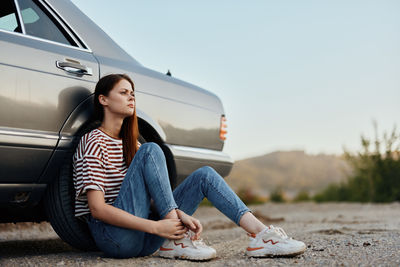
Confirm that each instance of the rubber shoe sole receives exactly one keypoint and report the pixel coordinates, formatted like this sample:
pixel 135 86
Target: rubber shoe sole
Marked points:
pixel 278 255
pixel 186 257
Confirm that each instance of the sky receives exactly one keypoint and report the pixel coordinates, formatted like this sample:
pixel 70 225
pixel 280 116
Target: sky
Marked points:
pixel 306 75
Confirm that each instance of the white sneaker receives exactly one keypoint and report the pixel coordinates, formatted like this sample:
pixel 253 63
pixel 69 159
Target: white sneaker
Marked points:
pixel 273 241
pixel 185 248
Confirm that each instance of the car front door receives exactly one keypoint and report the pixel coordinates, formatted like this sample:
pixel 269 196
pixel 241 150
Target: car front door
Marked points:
pixel 46 70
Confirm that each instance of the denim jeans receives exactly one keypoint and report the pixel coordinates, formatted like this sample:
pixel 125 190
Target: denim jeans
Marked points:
pixel 146 180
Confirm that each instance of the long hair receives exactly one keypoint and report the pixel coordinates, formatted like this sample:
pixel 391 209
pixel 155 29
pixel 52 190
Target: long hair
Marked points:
pixel 129 130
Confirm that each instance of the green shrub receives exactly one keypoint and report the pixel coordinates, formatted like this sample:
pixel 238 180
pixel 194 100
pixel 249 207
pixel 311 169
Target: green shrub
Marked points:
pixel 277 196
pixel 332 193
pixel 375 176
pixel 302 196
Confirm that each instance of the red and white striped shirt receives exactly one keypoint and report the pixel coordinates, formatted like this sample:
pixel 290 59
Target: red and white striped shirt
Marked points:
pixel 98 164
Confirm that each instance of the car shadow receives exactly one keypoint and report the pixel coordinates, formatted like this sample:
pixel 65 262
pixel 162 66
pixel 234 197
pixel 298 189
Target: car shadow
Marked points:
pixel 23 248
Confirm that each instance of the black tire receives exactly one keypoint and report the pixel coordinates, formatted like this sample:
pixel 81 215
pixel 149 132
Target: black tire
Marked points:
pixel 141 139
pixel 60 205
pixel 60 208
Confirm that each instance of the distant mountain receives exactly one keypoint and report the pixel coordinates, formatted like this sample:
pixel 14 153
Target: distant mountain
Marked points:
pixel 291 171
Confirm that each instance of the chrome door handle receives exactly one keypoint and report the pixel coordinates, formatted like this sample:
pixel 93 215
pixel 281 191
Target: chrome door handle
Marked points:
pixel 74 67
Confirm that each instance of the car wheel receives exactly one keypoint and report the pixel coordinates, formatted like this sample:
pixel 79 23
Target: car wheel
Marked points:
pixel 60 209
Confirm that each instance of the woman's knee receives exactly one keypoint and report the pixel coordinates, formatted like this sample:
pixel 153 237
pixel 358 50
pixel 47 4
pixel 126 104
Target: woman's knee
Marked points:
pixel 208 174
pixel 152 149
pixel 207 170
pixel 151 146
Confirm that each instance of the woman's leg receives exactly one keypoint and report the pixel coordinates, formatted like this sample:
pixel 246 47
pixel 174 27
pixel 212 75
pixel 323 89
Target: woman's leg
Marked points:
pixel 146 179
pixel 206 182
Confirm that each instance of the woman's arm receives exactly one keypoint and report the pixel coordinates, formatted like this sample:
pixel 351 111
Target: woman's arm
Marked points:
pixel 167 228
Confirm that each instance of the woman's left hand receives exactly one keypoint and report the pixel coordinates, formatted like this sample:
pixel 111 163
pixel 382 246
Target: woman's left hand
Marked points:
pixel 191 223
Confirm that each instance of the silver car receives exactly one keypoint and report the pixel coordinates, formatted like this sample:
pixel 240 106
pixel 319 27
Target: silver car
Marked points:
pixel 51 56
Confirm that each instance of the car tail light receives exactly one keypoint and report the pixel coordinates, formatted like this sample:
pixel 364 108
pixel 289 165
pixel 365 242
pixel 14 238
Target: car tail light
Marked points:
pixel 222 128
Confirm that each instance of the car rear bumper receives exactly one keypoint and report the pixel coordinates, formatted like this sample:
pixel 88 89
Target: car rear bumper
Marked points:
pixel 189 159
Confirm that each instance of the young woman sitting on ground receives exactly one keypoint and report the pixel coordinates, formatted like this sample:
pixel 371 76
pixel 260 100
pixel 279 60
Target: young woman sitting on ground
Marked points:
pixel 117 180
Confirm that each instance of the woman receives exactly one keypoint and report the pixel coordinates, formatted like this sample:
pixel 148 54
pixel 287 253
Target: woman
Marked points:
pixel 116 179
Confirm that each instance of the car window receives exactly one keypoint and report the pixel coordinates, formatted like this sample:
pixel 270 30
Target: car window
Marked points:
pixel 39 23
pixel 8 17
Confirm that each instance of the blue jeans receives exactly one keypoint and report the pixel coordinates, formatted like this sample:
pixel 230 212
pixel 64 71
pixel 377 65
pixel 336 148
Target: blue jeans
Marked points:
pixel 146 180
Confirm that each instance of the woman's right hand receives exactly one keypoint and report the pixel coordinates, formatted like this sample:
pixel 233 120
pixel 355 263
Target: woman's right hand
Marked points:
pixel 170 228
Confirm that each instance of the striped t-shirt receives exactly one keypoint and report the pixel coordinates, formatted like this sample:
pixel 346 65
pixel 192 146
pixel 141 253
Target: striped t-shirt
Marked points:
pixel 98 164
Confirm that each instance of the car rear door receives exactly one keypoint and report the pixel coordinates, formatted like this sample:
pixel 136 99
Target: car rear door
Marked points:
pixel 46 70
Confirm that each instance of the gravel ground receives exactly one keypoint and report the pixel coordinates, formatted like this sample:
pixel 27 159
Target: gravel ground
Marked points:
pixel 336 234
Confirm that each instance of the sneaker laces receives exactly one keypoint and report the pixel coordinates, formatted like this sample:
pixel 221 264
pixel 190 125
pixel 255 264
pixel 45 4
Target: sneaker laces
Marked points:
pixel 279 231
pixel 198 243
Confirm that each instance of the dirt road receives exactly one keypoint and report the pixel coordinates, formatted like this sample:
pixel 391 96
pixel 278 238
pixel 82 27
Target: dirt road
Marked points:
pixel 336 234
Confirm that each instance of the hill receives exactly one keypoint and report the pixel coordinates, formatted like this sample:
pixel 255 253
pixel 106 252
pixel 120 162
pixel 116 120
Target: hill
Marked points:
pixel 291 171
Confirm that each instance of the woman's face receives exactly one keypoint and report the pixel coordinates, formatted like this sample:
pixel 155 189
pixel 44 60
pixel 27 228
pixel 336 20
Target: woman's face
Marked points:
pixel 120 100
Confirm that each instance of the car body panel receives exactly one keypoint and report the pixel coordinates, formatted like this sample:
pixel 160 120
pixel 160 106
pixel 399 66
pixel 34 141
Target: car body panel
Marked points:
pixel 36 98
